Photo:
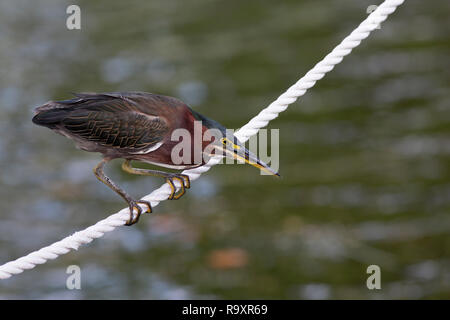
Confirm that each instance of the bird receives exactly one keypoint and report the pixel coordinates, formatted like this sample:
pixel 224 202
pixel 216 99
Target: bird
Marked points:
pixel 138 126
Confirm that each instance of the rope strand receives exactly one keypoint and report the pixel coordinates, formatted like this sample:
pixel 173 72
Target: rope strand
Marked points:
pixel 96 231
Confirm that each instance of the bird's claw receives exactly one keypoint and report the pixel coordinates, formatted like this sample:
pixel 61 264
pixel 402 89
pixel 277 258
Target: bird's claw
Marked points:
pixel 136 205
pixel 185 183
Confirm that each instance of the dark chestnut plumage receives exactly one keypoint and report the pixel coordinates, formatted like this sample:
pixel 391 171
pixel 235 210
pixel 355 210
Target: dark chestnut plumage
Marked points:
pixel 136 126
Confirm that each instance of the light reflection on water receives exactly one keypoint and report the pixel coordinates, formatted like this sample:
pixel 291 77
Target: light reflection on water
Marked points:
pixel 364 155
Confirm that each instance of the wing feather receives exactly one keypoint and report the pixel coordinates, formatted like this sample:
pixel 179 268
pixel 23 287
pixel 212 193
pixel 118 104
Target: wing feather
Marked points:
pixel 124 130
pixel 112 122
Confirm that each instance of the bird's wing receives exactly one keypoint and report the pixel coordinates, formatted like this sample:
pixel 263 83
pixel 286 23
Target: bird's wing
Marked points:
pixel 115 124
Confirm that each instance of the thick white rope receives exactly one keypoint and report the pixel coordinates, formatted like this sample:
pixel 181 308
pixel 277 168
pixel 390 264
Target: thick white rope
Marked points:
pixel 74 241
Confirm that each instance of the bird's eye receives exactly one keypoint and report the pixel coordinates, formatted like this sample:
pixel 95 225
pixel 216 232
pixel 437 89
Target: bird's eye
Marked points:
pixel 225 141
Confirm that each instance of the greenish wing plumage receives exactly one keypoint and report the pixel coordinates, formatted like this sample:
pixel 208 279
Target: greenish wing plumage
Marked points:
pixel 110 120
pixel 129 130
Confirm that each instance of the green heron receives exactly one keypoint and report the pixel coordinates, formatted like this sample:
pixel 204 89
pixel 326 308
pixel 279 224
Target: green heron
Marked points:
pixel 138 126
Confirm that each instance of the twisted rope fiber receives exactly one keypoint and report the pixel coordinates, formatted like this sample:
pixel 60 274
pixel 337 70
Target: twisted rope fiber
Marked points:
pixel 74 241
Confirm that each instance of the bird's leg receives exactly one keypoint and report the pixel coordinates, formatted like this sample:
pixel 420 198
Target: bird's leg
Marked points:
pixel 170 177
pixel 133 204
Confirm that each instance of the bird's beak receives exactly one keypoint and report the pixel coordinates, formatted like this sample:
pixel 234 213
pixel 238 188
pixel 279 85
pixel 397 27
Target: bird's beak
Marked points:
pixel 239 152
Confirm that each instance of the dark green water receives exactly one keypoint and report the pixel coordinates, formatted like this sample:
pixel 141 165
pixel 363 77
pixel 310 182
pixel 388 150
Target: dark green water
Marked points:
pixel 364 156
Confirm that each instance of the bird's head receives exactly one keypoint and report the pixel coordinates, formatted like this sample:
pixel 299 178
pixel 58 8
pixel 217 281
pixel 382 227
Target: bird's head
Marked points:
pixel 226 144
pixel 232 148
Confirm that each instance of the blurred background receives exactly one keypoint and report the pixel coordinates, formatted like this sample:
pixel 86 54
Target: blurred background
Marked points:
pixel 364 155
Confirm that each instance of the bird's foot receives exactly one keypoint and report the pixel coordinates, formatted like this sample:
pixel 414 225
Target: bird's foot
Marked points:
pixel 185 183
pixel 136 205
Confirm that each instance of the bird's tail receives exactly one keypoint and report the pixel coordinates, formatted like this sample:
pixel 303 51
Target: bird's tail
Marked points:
pixel 50 114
